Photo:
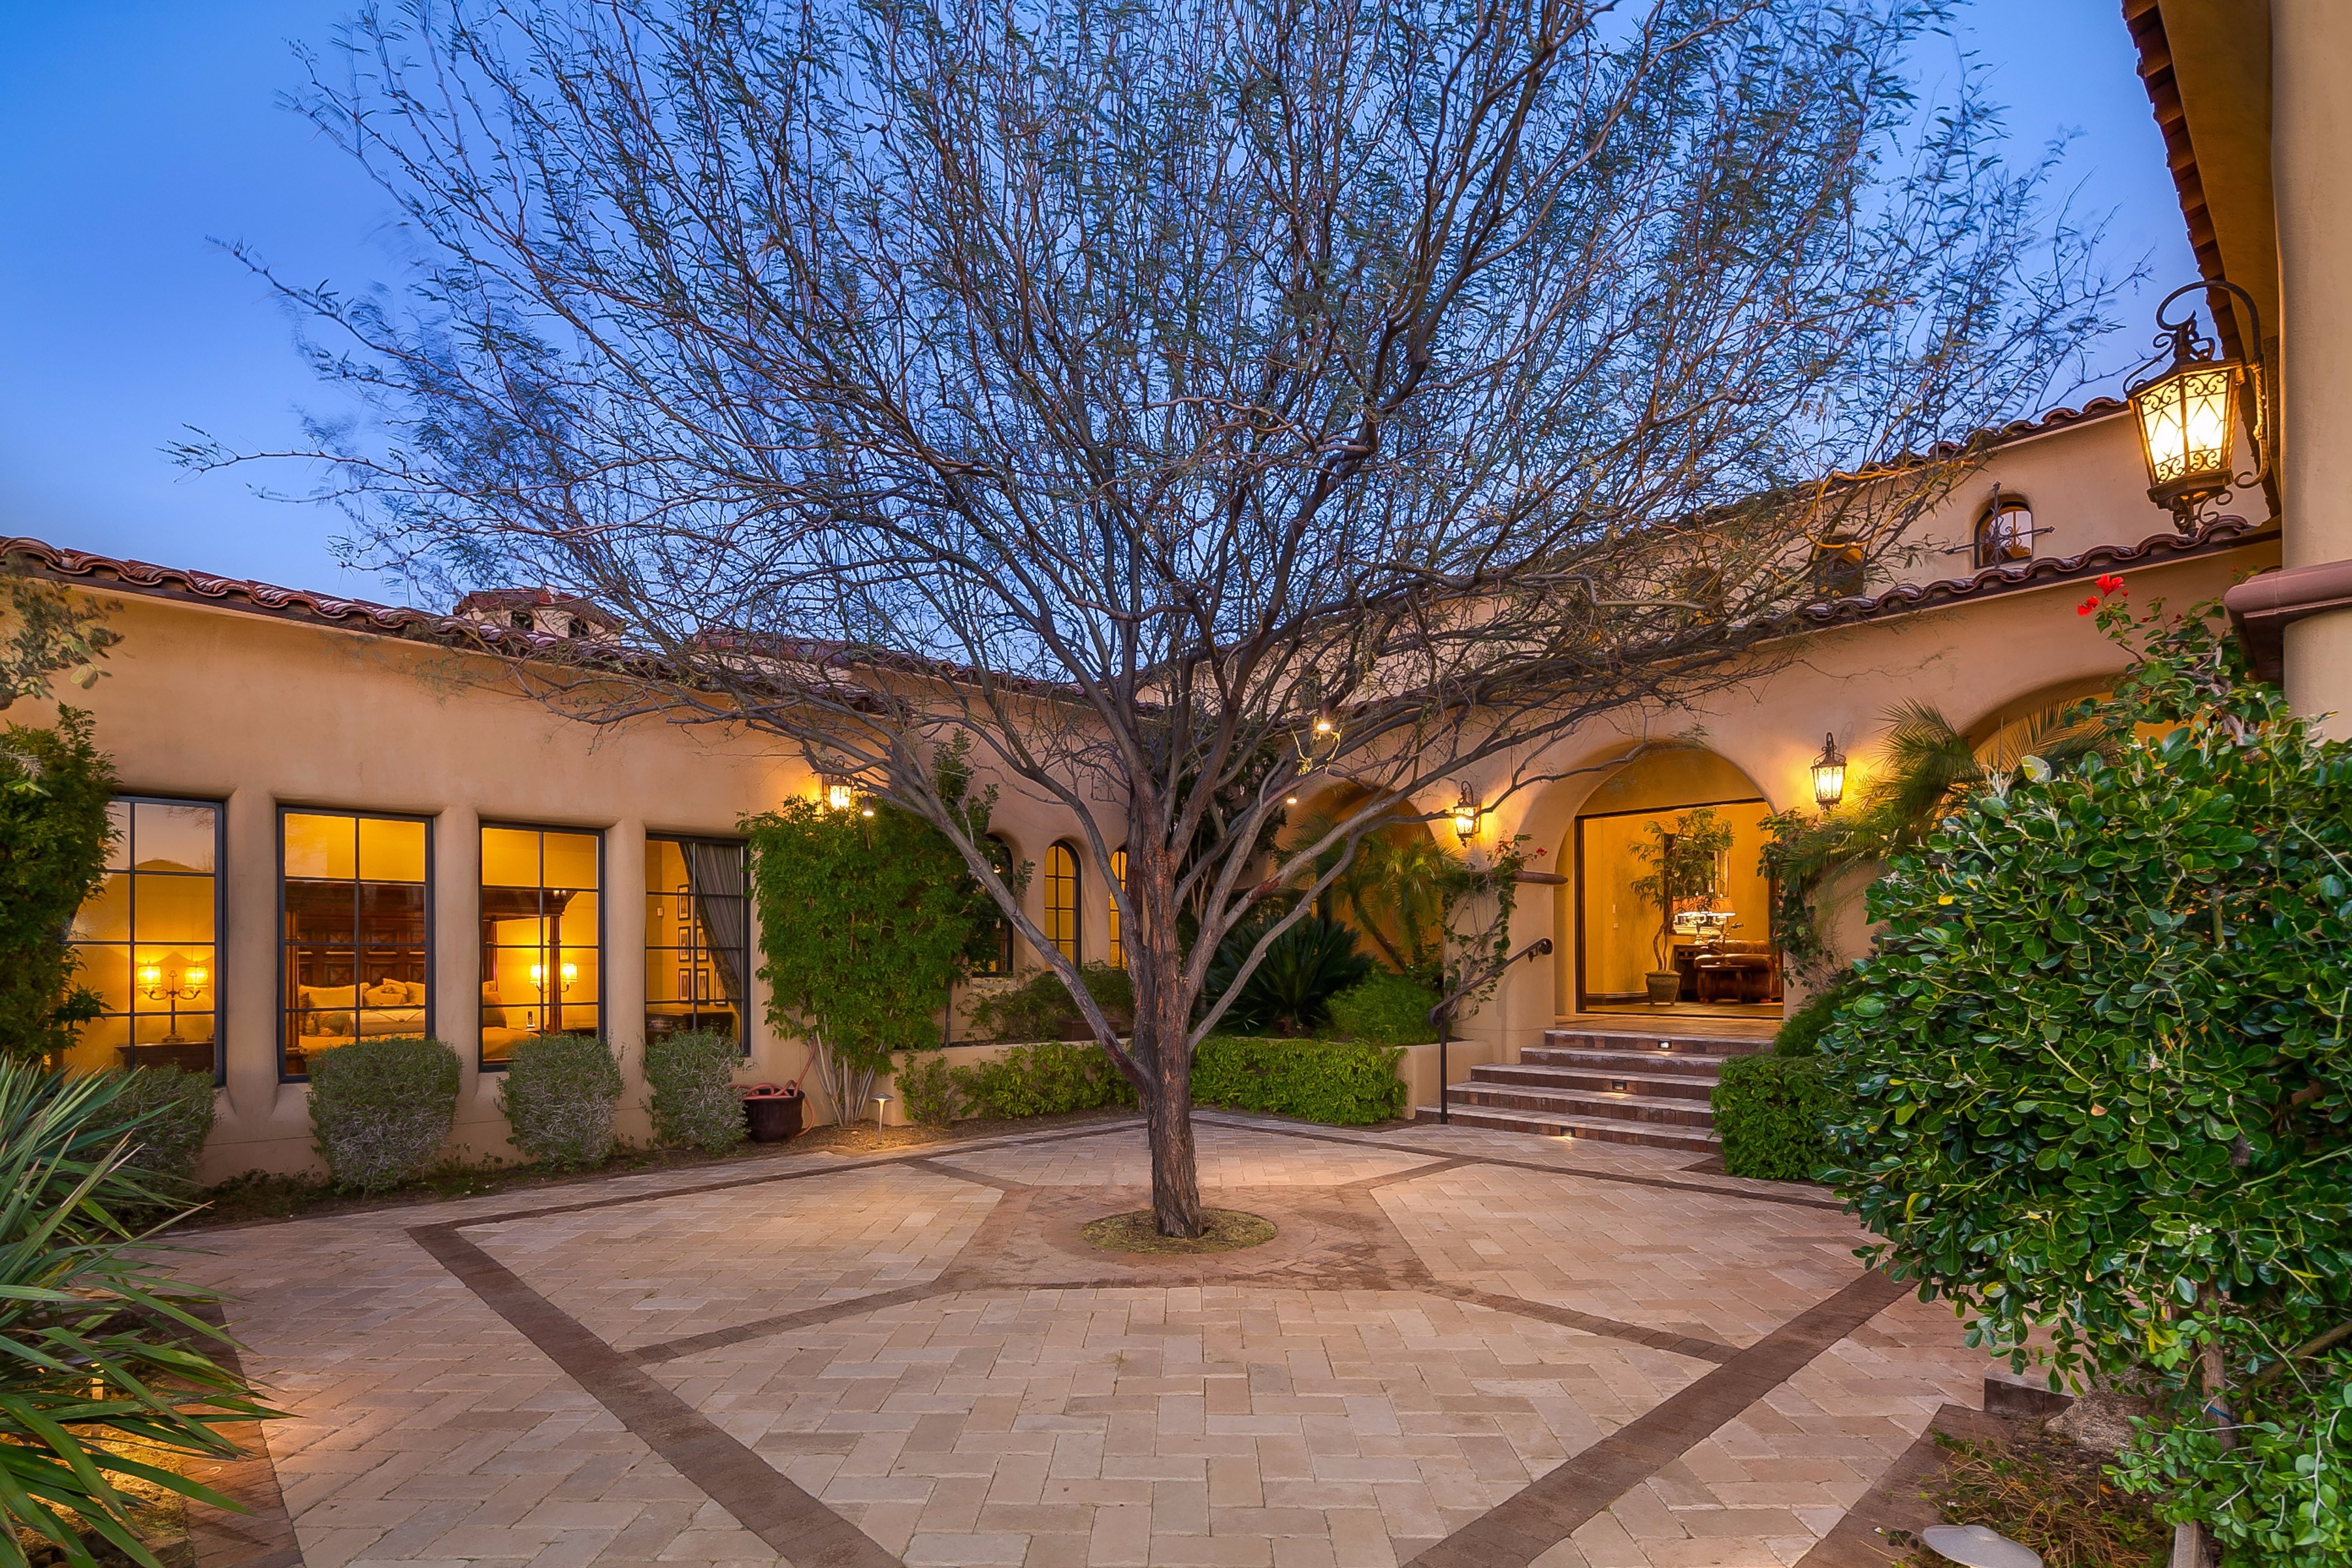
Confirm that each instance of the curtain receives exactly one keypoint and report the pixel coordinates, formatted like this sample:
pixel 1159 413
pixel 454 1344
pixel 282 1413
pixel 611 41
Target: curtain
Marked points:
pixel 716 872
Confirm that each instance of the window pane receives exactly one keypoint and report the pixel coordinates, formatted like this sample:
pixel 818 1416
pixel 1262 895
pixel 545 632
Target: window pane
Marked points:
pixel 174 909
pixel 391 851
pixel 665 867
pixel 168 837
pixel 570 861
pixel 106 971
pixel 106 917
pixel 574 911
pixel 319 912
pixel 510 858
pixel 321 847
pixel 118 843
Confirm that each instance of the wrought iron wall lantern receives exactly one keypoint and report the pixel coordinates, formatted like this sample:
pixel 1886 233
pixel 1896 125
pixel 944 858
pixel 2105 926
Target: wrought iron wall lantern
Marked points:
pixel 1829 775
pixel 2189 411
pixel 1466 813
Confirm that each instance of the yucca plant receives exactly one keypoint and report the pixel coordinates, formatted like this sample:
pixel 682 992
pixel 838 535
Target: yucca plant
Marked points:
pixel 96 1347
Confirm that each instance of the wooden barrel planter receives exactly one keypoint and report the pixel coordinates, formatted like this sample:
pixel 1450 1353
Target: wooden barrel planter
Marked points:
pixel 772 1114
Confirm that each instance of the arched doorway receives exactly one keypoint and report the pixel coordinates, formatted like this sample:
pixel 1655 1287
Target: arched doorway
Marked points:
pixel 1672 914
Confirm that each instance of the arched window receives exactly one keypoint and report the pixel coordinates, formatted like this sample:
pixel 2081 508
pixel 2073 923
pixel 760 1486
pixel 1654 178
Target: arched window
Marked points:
pixel 1062 900
pixel 991 949
pixel 1110 906
pixel 2005 531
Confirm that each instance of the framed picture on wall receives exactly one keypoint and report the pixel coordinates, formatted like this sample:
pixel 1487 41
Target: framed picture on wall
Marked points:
pixel 684 983
pixel 701 985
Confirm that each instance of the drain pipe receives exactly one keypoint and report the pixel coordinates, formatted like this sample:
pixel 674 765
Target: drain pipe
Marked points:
pixel 1441 1017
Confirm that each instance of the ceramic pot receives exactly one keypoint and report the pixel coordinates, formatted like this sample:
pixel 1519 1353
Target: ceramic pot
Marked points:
pixel 1666 986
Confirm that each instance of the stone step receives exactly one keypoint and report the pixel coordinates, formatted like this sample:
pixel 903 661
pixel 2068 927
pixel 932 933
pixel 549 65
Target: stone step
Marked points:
pixel 1662 1042
pixel 1610 1106
pixel 1648 1135
pixel 1601 1079
pixel 1653 1062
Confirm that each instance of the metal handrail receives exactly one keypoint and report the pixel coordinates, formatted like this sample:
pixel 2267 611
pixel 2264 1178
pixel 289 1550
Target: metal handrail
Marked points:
pixel 1441 1017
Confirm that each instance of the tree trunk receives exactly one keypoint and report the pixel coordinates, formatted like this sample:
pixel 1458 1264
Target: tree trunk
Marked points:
pixel 1175 1174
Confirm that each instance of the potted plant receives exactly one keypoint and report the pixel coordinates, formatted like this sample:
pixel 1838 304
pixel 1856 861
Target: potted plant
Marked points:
pixel 772 1114
pixel 1682 860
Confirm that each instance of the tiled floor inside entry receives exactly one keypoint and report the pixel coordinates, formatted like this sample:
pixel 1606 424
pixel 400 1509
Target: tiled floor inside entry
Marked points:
pixel 1463 1348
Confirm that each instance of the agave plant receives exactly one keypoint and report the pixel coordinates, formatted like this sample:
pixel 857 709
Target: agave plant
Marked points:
pixel 98 1348
pixel 1291 989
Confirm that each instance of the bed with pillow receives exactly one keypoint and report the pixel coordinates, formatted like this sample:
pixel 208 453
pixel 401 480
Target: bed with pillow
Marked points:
pixel 337 1014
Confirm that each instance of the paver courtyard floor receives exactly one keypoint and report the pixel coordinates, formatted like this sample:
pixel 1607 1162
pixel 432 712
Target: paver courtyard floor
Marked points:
pixel 1461 1348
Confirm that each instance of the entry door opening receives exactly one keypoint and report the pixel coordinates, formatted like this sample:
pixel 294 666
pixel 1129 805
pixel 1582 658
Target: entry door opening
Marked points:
pixel 1672 915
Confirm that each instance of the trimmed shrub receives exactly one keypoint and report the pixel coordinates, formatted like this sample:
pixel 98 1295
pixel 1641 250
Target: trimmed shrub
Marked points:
pixel 926 1090
pixel 1042 1080
pixel 1384 1009
pixel 691 1076
pixel 54 829
pixel 1040 1007
pixel 380 1108
pixel 1801 1032
pixel 178 1105
pixel 1342 1082
pixel 558 1094
pixel 1770 1111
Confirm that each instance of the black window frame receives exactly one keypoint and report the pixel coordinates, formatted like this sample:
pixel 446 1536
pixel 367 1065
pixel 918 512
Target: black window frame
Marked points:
pixel 1078 900
pixel 220 914
pixel 603 897
pixel 431 921
pixel 751 930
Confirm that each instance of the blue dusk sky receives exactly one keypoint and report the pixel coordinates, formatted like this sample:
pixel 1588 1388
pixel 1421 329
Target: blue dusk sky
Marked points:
pixel 140 132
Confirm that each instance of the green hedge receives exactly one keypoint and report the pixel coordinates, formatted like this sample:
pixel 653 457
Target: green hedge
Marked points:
pixel 1771 1112
pixel 380 1108
pixel 1342 1082
pixel 1384 1008
pixel 1801 1032
pixel 1039 1081
pixel 691 1076
pixel 558 1092
pixel 178 1108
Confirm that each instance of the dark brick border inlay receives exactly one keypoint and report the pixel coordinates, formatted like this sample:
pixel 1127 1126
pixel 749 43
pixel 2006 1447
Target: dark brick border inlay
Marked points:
pixel 263 1536
pixel 1530 1522
pixel 762 1500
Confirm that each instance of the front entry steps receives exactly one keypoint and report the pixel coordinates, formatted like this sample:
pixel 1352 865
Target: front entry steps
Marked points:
pixel 1621 1086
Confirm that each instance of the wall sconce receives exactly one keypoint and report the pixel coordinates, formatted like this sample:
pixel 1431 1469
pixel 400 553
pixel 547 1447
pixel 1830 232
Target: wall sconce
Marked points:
pixel 1466 813
pixel 1319 740
pixel 2187 412
pixel 568 973
pixel 1829 775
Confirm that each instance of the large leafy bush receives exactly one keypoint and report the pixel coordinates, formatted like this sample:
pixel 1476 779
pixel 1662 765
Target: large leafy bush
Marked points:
pixel 690 1079
pixel 380 1108
pixel 558 1092
pixel 55 785
pixel 2100 1084
pixel 1041 1008
pixel 97 1348
pixel 1769 1110
pixel 1341 1082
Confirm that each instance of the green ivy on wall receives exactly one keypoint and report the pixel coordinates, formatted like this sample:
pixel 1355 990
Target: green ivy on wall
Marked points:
pixel 866 921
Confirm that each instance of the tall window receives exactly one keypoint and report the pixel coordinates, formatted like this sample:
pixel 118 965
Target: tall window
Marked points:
pixel 991 949
pixel 149 939
pixel 2005 533
pixel 698 936
pixel 542 932
pixel 354 898
pixel 1062 900
pixel 1110 906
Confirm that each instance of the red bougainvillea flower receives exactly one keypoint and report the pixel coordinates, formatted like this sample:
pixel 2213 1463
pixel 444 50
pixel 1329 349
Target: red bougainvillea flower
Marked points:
pixel 2086 607
pixel 2111 584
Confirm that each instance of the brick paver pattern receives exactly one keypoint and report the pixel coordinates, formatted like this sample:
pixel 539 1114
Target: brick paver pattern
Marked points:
pixel 1318 1406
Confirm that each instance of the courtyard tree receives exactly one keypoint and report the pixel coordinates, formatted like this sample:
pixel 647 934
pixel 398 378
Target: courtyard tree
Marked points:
pixel 1195 404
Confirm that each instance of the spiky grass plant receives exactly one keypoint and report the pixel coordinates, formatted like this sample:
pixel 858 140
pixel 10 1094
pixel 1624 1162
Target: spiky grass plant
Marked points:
pixel 98 1348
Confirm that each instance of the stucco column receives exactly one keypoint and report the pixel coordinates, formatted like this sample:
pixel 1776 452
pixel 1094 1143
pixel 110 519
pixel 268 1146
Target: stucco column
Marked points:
pixel 248 961
pixel 2310 61
pixel 482 1130
pixel 623 963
